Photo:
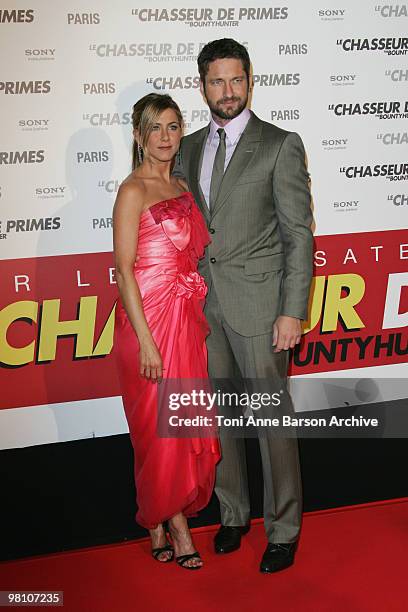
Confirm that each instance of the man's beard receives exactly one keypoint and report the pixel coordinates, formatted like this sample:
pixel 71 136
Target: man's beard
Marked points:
pixel 230 113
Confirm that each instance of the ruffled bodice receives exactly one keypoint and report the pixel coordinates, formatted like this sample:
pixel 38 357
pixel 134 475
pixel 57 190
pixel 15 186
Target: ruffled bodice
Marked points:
pixel 172 237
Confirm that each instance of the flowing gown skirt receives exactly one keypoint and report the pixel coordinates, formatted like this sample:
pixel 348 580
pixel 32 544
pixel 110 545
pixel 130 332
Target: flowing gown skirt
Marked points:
pixel 172 474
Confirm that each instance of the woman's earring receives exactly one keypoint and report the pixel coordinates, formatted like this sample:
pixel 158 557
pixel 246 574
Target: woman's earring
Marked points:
pixel 140 154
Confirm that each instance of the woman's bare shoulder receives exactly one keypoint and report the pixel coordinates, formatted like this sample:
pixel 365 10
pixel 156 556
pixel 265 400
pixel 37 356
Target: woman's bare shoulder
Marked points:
pixel 132 185
pixel 131 191
pixel 130 197
pixel 182 183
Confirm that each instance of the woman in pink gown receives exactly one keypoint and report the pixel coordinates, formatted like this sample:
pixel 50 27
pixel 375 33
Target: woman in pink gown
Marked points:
pixel 160 328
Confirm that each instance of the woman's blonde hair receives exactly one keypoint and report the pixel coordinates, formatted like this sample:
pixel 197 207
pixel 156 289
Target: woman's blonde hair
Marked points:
pixel 145 114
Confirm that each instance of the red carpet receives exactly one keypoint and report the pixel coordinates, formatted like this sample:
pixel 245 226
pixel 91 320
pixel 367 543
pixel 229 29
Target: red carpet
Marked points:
pixel 349 560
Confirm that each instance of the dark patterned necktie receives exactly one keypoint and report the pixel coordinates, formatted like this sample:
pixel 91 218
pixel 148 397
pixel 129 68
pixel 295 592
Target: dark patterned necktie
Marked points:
pixel 218 168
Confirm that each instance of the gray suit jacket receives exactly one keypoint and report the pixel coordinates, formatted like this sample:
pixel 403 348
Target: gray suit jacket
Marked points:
pixel 260 256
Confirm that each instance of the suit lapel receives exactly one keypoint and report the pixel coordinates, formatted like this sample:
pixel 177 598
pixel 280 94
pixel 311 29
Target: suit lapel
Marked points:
pixel 196 153
pixel 244 151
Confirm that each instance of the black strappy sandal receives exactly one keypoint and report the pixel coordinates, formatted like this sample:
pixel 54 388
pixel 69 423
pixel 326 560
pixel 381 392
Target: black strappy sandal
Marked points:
pixel 182 560
pixel 157 551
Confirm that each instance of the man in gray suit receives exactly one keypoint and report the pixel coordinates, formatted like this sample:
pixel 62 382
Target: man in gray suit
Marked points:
pixel 250 181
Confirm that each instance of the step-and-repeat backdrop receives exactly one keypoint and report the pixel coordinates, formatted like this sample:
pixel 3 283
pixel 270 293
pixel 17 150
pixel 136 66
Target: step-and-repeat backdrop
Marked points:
pixel 336 72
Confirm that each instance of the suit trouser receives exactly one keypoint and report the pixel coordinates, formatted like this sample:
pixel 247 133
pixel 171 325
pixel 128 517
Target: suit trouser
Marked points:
pixel 232 356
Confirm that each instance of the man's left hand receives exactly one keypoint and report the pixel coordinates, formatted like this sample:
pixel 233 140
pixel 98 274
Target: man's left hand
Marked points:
pixel 287 332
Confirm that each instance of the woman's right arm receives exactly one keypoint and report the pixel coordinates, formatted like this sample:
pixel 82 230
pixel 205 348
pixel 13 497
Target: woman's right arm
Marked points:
pixel 126 217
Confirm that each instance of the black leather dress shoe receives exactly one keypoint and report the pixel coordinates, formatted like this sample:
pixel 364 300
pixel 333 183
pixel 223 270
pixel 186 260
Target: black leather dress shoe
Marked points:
pixel 277 557
pixel 228 539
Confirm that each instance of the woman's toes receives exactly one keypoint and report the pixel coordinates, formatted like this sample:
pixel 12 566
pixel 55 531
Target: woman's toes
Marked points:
pixel 194 562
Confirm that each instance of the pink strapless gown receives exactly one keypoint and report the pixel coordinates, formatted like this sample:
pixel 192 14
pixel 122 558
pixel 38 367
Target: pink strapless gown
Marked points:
pixel 171 474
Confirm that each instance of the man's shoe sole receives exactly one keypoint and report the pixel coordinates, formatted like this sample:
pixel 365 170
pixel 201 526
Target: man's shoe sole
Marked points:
pixel 279 569
pixel 226 552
